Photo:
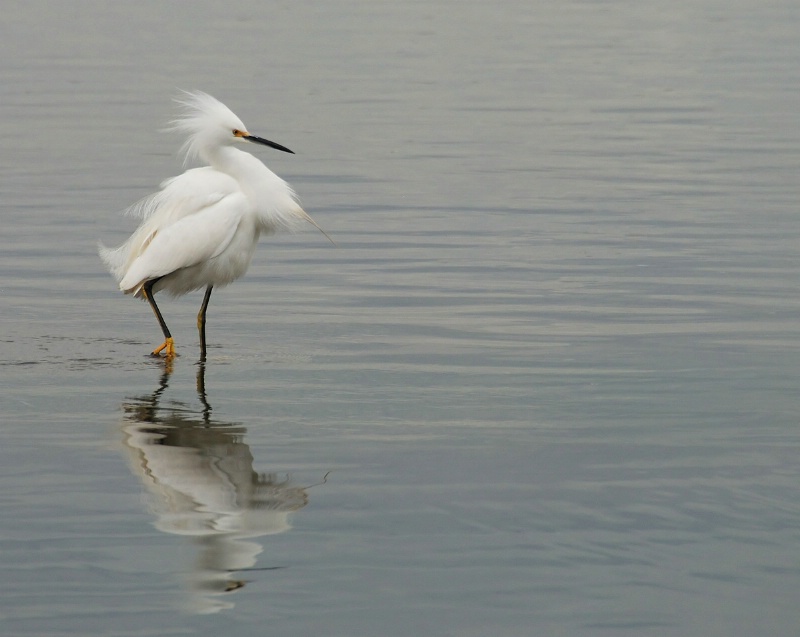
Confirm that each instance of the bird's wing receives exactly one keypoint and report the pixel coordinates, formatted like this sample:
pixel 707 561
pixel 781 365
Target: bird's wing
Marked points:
pixel 179 197
pixel 184 195
pixel 190 240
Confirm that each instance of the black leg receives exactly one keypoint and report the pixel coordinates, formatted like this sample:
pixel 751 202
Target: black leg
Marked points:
pixel 168 344
pixel 201 322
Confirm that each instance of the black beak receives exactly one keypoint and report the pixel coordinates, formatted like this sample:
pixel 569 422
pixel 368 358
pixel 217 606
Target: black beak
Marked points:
pixel 266 142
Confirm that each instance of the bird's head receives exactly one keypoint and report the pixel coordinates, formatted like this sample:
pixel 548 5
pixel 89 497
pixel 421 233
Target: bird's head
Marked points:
pixel 210 125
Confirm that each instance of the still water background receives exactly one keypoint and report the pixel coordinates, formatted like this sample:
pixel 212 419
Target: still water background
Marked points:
pixel 546 384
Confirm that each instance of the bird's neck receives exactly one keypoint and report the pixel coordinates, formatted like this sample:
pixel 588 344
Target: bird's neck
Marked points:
pixel 227 159
pixel 253 176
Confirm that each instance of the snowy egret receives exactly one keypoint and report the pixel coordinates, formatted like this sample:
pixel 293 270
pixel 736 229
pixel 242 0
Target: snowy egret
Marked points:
pixel 201 228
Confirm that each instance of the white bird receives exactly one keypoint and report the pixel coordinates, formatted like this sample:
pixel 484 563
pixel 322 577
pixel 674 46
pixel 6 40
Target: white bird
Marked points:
pixel 201 228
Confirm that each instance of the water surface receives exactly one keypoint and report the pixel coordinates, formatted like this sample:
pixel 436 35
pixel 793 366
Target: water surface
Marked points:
pixel 545 385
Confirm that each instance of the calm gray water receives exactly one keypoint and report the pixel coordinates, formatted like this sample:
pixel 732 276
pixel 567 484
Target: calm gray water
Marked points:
pixel 546 384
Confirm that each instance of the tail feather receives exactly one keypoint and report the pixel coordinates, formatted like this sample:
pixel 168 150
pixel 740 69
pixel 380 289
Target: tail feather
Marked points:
pixel 305 216
pixel 114 258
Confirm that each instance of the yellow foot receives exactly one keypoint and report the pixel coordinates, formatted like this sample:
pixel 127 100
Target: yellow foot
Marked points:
pixel 169 346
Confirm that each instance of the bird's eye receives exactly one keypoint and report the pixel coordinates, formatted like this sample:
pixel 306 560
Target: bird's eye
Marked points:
pixel 236 132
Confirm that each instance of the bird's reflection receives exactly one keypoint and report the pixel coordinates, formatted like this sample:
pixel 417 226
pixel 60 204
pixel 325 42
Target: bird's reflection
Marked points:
pixel 200 478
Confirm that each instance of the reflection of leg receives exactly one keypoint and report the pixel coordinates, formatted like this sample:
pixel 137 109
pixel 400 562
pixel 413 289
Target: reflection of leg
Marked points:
pixel 201 391
pixel 168 344
pixel 201 322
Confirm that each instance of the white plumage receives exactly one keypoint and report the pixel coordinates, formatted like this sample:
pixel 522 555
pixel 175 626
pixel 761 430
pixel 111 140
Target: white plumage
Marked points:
pixel 201 228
